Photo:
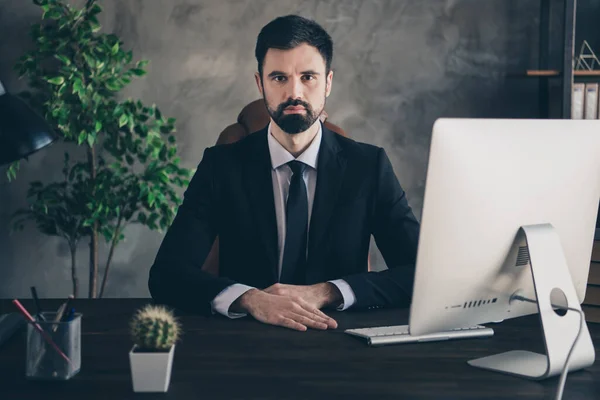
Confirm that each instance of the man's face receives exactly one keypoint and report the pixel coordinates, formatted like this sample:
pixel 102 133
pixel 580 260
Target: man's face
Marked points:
pixel 294 86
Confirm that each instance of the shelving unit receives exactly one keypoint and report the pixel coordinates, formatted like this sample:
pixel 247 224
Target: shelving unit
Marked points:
pixel 567 74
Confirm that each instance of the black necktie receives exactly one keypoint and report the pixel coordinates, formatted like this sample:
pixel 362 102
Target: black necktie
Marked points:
pixel 294 253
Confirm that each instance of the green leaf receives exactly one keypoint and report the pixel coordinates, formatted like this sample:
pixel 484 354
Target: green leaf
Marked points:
pixel 96 9
pixel 11 172
pixel 138 71
pixel 90 61
pixel 98 126
pixel 107 235
pixel 118 110
pixel 57 80
pixel 151 222
pixel 112 84
pixel 77 85
pixel 63 58
pixel 115 49
pixel 52 14
pixel 142 63
pixel 95 26
pixel 123 120
pixel 82 137
pixel 151 199
pixel 91 139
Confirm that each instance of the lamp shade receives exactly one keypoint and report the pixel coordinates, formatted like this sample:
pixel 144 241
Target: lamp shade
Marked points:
pixel 22 130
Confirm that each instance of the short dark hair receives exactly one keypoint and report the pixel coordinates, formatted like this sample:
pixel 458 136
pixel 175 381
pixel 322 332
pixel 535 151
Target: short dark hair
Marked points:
pixel 290 31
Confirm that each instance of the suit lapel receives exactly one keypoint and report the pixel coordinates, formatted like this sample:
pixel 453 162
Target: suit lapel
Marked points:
pixel 259 186
pixel 330 173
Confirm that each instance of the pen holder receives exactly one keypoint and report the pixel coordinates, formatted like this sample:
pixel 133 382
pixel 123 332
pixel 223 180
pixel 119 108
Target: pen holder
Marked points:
pixel 55 354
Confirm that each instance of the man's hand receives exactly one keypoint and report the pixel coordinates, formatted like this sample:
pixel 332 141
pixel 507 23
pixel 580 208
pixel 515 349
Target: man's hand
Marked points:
pixel 318 296
pixel 288 311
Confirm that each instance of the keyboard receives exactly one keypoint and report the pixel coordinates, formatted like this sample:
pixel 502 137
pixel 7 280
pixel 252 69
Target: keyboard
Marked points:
pixel 9 324
pixel 383 335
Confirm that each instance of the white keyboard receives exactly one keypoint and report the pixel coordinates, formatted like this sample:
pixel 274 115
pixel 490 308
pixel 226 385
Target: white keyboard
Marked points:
pixel 383 335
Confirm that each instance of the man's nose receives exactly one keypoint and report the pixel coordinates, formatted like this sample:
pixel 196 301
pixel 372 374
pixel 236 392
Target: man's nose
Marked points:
pixel 296 89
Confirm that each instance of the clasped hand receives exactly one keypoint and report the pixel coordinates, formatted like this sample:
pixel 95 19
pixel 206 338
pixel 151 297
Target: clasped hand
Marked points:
pixel 291 306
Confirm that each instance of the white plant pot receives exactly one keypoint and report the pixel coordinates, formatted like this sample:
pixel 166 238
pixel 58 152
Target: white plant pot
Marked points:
pixel 151 372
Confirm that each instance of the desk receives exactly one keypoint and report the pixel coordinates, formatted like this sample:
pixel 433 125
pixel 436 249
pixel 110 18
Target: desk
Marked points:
pixel 220 358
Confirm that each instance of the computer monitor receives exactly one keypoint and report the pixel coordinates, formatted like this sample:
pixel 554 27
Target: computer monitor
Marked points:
pixel 507 199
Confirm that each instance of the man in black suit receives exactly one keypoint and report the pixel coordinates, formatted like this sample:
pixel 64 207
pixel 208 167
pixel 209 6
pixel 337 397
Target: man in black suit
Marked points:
pixel 294 206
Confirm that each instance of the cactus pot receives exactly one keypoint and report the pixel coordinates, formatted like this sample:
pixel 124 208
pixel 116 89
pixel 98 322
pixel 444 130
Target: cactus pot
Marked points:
pixel 151 371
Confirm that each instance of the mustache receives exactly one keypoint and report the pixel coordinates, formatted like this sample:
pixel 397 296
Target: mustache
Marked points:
pixel 294 103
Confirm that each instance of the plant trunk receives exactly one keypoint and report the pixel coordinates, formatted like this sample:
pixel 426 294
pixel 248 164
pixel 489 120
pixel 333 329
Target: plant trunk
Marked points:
pixel 73 247
pixel 113 244
pixel 94 236
pixel 93 261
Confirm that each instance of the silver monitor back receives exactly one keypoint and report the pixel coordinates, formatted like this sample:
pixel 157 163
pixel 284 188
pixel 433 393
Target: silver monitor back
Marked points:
pixel 485 179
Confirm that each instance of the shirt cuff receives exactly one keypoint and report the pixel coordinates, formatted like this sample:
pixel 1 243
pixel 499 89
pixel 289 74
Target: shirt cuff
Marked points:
pixel 347 294
pixel 223 300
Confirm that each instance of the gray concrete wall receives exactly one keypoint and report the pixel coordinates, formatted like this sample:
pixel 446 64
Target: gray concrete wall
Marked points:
pixel 399 65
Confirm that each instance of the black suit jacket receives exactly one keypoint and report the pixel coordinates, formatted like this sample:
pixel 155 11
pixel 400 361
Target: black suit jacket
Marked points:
pixel 231 195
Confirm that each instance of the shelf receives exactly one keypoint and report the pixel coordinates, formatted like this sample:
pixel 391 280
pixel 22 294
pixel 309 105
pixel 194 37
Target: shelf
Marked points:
pixel 538 72
pixel 556 73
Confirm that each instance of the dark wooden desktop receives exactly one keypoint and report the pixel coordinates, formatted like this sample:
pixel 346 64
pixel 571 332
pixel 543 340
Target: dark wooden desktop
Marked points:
pixel 219 358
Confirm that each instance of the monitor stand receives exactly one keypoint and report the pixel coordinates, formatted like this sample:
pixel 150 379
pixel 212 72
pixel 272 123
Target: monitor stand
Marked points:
pixel 550 272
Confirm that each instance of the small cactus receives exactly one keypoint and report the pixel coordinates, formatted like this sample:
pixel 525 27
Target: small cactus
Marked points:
pixel 154 328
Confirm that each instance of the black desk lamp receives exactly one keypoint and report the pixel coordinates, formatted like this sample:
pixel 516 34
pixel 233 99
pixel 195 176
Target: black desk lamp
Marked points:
pixel 22 132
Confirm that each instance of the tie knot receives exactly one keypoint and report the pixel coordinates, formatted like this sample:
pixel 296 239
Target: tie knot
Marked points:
pixel 297 167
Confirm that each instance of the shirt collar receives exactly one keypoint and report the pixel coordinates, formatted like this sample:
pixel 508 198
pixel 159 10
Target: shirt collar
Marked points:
pixel 280 156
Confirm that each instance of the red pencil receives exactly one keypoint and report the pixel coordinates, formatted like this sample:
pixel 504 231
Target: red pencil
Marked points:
pixel 40 329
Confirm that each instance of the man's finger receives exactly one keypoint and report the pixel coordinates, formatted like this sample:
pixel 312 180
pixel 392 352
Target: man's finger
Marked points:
pixel 305 311
pixel 306 321
pixel 332 323
pixel 315 311
pixel 290 323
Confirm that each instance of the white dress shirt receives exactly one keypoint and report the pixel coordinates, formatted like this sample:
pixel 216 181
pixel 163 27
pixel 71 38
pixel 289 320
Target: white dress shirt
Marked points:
pixel 281 175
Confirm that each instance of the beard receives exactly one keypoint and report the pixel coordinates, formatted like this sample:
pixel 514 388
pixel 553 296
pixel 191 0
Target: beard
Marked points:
pixel 294 123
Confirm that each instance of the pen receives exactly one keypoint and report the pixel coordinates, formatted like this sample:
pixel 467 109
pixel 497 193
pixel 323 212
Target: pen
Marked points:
pixel 71 314
pixel 60 313
pixel 36 300
pixel 39 329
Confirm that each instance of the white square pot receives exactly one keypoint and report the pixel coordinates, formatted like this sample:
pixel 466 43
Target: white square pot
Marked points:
pixel 151 372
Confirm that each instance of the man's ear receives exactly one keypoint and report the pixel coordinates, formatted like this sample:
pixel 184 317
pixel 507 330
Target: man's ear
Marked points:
pixel 329 83
pixel 258 83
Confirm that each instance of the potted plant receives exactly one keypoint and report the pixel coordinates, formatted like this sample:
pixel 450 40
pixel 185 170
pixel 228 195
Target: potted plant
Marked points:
pixel 154 331
pixel 120 162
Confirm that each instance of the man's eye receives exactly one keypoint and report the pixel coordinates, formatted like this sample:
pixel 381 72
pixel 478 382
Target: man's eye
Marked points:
pixel 279 78
pixel 309 77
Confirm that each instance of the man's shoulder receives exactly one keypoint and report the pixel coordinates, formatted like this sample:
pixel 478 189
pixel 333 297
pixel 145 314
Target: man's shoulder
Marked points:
pixel 355 148
pixel 238 148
